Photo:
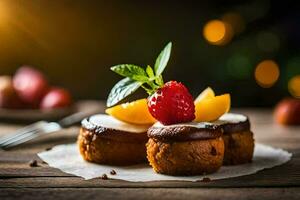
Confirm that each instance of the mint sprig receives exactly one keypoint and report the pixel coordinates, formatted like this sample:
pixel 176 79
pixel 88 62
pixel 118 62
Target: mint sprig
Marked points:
pixel 122 89
pixel 131 71
pixel 136 77
pixel 162 59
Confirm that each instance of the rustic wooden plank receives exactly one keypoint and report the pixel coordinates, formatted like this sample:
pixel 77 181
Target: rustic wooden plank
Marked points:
pixel 281 176
pixel 134 193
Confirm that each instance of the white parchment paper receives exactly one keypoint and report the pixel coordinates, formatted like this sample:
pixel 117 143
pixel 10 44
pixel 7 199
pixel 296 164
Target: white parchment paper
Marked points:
pixel 67 159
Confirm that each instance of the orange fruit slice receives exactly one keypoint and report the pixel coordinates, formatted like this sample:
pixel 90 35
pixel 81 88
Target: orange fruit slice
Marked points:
pixel 205 94
pixel 210 107
pixel 135 112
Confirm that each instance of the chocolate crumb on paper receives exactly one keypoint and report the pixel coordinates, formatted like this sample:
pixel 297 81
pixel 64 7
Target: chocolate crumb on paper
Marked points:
pixel 48 148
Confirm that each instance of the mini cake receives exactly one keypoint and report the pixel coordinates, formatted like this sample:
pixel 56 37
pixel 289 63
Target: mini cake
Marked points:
pixel 238 139
pixel 106 140
pixel 185 149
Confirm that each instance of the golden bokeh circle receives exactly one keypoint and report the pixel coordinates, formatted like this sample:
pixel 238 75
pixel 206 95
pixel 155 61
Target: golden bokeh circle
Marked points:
pixel 267 73
pixel 217 32
pixel 294 86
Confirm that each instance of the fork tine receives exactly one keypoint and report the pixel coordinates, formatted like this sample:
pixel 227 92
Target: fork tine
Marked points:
pixel 14 136
pixel 17 141
pixel 20 137
pixel 25 137
pixel 43 128
pixel 19 133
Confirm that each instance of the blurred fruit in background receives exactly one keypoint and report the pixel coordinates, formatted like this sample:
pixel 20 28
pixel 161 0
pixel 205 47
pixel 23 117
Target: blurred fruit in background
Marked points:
pixel 56 98
pixel 31 85
pixel 287 112
pixel 29 89
pixel 8 95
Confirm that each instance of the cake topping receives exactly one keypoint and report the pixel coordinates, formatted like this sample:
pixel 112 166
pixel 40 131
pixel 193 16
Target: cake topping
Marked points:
pixel 228 123
pixel 228 118
pixel 169 103
pixel 233 118
pixel 231 122
pixel 209 107
pixel 172 104
pixel 190 124
pixel 135 112
pixel 109 122
pixel 185 131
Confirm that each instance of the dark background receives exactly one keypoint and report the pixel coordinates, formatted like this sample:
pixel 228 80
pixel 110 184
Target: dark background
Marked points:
pixel 74 42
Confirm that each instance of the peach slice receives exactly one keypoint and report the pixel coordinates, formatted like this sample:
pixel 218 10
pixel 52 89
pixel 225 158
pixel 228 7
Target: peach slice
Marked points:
pixel 135 112
pixel 208 93
pixel 210 108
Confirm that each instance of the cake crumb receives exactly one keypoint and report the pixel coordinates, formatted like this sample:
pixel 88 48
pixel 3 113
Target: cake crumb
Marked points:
pixel 33 163
pixel 104 177
pixel 205 179
pixel 48 148
pixel 113 172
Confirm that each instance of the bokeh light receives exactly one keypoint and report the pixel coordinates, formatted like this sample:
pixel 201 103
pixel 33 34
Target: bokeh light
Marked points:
pixel 294 86
pixel 239 66
pixel 268 41
pixel 292 67
pixel 217 32
pixel 236 21
pixel 267 73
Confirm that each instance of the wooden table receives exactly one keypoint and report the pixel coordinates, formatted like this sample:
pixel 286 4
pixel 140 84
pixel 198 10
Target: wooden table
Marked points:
pixel 18 179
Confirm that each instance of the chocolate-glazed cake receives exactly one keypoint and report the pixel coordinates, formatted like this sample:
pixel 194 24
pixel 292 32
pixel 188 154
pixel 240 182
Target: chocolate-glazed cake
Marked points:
pixel 105 140
pixel 185 149
pixel 238 139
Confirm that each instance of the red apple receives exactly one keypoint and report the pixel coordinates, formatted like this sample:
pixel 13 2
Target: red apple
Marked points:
pixel 30 84
pixel 8 95
pixel 287 112
pixel 56 98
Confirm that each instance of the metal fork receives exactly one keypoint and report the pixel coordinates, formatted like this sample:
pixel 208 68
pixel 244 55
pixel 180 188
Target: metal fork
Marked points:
pixel 41 128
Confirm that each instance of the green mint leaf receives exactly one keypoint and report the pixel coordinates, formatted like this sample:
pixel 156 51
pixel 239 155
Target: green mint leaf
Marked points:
pixel 122 89
pixel 162 59
pixel 149 71
pixel 159 80
pixel 133 72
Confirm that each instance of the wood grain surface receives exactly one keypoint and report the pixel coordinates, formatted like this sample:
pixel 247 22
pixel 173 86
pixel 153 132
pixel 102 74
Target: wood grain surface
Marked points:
pixel 18 179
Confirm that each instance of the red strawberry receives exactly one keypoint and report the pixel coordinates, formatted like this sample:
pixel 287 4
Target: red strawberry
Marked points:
pixel 172 104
